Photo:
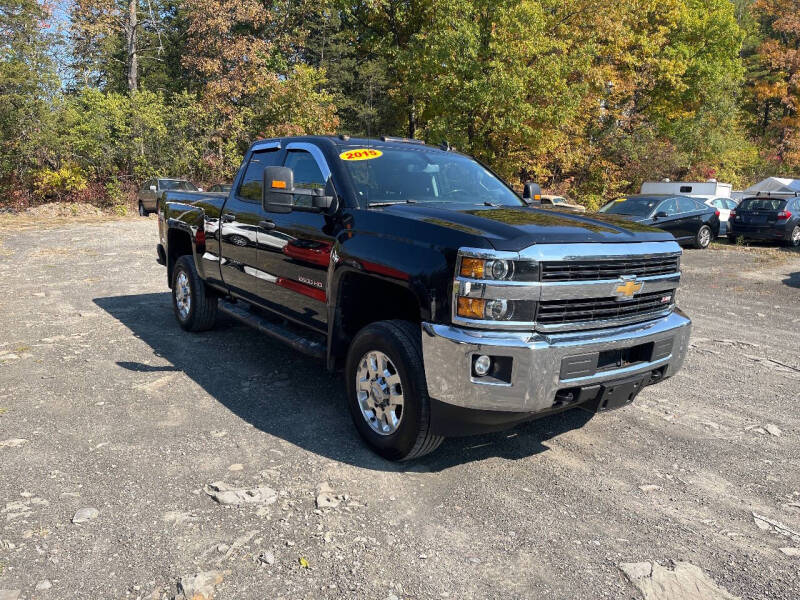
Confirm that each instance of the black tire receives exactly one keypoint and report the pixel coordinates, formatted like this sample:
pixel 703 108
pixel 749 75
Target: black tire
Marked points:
pixel 401 342
pixel 731 239
pixel 202 307
pixel 703 237
pixel 142 211
pixel 793 241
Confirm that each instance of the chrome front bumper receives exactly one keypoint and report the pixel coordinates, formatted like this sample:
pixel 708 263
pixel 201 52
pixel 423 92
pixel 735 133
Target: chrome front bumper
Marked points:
pixel 537 361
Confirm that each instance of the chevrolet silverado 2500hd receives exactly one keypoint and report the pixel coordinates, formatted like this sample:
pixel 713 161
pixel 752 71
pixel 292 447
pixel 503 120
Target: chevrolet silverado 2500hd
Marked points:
pixel 452 306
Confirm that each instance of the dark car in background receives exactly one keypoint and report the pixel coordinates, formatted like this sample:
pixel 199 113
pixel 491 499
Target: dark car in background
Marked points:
pixel 773 218
pixel 153 189
pixel 688 219
pixel 220 187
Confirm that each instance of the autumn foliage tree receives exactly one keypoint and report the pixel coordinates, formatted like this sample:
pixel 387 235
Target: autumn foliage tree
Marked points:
pixel 587 98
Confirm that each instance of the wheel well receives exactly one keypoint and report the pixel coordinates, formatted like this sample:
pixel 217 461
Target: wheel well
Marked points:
pixel 178 244
pixel 363 300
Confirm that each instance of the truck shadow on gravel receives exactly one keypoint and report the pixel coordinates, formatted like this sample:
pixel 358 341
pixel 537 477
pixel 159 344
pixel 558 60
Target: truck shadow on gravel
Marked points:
pixel 793 280
pixel 291 396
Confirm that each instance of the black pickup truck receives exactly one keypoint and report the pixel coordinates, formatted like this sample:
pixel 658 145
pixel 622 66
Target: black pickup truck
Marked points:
pixel 452 306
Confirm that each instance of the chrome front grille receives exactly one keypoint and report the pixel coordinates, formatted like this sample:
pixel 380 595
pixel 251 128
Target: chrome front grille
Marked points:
pixel 583 311
pixel 580 286
pixel 592 270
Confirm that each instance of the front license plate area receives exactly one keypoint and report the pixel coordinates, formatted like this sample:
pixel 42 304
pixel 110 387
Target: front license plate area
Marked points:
pixel 617 394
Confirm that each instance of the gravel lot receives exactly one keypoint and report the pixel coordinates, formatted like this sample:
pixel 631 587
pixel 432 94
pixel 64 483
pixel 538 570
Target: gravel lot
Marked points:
pixel 123 412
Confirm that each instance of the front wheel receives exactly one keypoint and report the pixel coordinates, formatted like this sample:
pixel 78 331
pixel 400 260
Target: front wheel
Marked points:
pixel 195 308
pixel 794 238
pixel 386 390
pixel 703 237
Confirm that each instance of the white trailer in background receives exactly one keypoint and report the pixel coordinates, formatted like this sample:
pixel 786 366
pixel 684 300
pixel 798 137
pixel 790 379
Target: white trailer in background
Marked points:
pixel 696 189
pixel 711 192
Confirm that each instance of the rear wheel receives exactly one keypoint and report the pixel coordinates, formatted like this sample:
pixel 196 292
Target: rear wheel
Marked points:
pixel 195 307
pixel 386 390
pixel 703 237
pixel 794 238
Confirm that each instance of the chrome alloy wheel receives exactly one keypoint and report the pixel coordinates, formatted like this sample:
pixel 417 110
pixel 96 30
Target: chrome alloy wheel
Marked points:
pixel 705 237
pixel 183 295
pixel 795 239
pixel 379 391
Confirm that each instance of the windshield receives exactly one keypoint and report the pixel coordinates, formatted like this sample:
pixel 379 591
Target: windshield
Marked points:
pixel 640 206
pixel 398 176
pixel 176 184
pixel 559 200
pixel 761 204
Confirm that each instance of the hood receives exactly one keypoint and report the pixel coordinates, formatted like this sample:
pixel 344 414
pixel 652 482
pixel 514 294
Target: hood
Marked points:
pixel 514 228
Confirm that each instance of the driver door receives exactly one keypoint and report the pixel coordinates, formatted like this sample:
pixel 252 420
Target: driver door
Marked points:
pixel 295 247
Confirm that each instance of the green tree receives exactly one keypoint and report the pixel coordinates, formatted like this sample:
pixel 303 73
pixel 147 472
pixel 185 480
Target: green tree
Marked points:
pixel 28 85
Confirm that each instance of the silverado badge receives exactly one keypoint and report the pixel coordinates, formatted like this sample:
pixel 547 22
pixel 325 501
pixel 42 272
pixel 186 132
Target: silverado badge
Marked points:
pixel 626 287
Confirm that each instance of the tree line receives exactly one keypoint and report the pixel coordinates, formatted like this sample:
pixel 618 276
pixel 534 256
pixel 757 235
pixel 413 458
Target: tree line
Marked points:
pixel 586 98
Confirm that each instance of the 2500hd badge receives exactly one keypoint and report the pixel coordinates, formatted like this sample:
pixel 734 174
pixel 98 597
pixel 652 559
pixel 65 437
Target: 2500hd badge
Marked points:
pixel 451 305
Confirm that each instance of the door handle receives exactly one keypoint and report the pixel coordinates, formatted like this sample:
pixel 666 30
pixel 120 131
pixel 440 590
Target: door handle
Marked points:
pixel 266 224
pixel 228 218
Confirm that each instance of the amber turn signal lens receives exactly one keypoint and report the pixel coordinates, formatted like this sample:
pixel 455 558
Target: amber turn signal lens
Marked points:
pixel 472 267
pixel 471 308
pixel 278 184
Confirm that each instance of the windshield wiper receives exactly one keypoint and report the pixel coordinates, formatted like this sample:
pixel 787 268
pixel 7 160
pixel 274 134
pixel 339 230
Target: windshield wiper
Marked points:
pixel 372 204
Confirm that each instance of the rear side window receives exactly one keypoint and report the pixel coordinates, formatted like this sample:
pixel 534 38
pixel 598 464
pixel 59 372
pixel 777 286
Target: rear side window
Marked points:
pixel 730 204
pixel 669 206
pixel 686 205
pixel 686 189
pixel 252 182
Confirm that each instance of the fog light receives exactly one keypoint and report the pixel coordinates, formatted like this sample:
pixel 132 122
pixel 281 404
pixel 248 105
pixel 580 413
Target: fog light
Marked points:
pixel 482 365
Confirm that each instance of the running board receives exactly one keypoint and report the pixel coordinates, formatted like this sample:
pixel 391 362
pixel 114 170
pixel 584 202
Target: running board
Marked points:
pixel 272 329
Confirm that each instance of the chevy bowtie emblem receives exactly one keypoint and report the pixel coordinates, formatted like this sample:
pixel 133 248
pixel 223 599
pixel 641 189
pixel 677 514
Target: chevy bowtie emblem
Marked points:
pixel 627 287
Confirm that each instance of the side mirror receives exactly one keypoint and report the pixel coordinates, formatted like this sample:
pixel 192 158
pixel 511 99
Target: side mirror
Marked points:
pixel 660 215
pixel 532 192
pixel 278 189
pixel 152 188
pixel 325 200
pixel 199 189
pixel 279 193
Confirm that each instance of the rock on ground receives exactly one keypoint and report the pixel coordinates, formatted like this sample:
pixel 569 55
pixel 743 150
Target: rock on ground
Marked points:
pixel 684 582
pixel 226 494
pixel 199 586
pixel 85 514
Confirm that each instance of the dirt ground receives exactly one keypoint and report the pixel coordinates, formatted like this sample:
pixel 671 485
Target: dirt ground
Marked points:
pixel 106 404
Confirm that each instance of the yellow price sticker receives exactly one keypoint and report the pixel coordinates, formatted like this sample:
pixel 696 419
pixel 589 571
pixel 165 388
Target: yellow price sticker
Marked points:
pixel 360 154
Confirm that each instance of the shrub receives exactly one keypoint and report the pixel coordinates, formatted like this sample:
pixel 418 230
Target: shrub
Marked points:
pixel 49 184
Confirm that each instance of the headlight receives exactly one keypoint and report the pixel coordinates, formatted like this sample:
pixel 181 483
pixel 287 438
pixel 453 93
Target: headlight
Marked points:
pixel 481 309
pixel 498 269
pixel 490 289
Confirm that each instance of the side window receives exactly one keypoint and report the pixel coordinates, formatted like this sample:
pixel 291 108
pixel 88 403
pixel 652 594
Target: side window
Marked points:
pixel 668 206
pixel 718 203
pixel 731 204
pixel 250 186
pixel 686 189
pixel 686 205
pixel 307 174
